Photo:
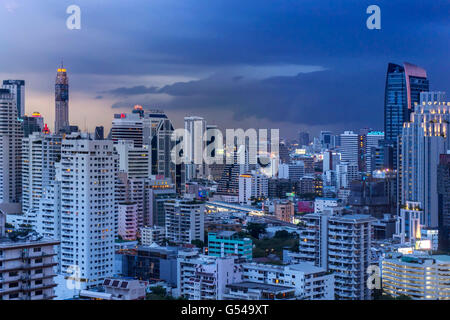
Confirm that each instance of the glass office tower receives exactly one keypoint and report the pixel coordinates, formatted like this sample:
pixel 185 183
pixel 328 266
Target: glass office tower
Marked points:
pixel 403 87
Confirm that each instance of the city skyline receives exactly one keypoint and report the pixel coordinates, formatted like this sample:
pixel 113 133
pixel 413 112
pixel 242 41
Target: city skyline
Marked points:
pixel 173 150
pixel 187 73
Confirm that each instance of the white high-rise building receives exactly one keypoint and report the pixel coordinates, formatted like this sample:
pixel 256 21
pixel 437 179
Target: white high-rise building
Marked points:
pixel 40 152
pixel 252 186
pixel 196 127
pixel 342 245
pixel 135 161
pixel 349 147
pixel 346 173
pixel 80 208
pixel 330 160
pixel 185 220
pixel 17 89
pixel 372 141
pixel 10 145
pixel 423 139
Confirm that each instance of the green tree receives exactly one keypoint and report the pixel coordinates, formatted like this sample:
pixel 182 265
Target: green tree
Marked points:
pixel 256 229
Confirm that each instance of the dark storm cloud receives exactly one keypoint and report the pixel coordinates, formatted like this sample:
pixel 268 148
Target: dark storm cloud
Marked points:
pixel 132 91
pixel 318 98
pixel 194 39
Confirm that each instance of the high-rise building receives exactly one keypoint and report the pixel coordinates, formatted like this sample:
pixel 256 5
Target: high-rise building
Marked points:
pixel 157 192
pixel 82 208
pixel 40 152
pixel 10 145
pixel 196 127
pixel 403 87
pixel 423 140
pixel 17 89
pixel 373 139
pixel 185 220
pixel 128 220
pixel 443 176
pixel 153 129
pixel 34 123
pixel 99 133
pixel 135 161
pixel 61 99
pixel 349 147
pixel 252 186
pixel 346 173
pixel 303 138
pixel 327 140
pixel 131 190
pixel 342 245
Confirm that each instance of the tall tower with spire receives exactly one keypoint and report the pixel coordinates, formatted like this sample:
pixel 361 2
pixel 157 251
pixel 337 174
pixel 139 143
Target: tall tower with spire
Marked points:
pixel 61 99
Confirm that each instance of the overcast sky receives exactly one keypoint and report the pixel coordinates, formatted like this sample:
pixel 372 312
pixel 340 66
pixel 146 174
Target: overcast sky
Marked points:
pixel 293 65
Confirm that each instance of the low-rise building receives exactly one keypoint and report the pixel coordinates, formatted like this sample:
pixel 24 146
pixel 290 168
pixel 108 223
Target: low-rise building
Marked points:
pixel 150 235
pixel 201 277
pixel 226 243
pixel 308 281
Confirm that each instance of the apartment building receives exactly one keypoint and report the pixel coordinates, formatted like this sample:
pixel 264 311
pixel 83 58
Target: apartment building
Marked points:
pixel 27 268
pixel 341 244
pixel 184 220
pixel 307 281
pixel 150 235
pixel 202 277
pixel 421 277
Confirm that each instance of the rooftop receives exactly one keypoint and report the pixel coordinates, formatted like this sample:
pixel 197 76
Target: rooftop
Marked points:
pixel 260 286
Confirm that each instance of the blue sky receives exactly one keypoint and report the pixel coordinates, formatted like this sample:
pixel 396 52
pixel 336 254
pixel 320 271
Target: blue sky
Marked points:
pixel 293 65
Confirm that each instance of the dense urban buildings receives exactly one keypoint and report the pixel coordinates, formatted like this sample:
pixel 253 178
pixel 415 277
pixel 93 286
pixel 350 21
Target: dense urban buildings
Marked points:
pixel 84 215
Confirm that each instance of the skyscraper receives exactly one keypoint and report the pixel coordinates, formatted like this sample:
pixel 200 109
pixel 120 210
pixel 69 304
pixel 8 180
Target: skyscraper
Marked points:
pixel 61 100
pixel 10 145
pixel 17 89
pixel 341 244
pixel 444 201
pixel 196 126
pixel 303 138
pixel 422 141
pixel 349 147
pixel 79 208
pixel 150 128
pixel 34 123
pixel 40 152
pixel 403 87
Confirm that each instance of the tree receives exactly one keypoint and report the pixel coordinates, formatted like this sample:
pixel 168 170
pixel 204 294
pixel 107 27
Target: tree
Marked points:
pixel 198 243
pixel 158 290
pixel 256 229
pixel 282 234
